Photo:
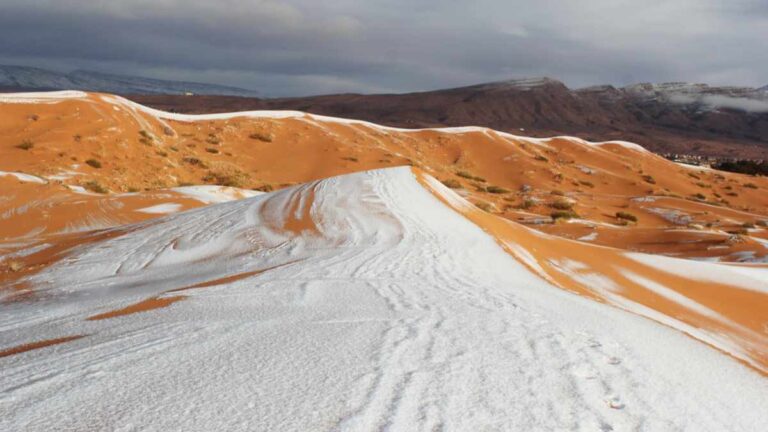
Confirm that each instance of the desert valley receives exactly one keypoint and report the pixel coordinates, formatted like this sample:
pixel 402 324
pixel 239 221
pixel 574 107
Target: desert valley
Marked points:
pixel 281 270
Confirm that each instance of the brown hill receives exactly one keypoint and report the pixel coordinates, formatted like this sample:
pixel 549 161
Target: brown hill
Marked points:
pixel 669 118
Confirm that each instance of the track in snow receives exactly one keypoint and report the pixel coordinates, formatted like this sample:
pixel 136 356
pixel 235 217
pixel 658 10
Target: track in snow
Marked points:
pixel 389 311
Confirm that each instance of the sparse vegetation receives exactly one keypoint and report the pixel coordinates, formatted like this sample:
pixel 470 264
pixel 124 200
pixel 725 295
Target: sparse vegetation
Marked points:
pixel 194 161
pixel 649 179
pixel 557 192
pixel 94 163
pixel 484 206
pixel 469 176
pixel 699 196
pixel 626 216
pixel 264 188
pixel 227 176
pixel 350 158
pixel 586 183
pixel 750 185
pixel 562 205
pixel 496 190
pixel 261 136
pixel 541 158
pixel 452 183
pixel 95 186
pixel 25 145
pixel 213 139
pixel 563 214
pixel 527 204
pixel 212 150
pixel 748 225
pixel 146 138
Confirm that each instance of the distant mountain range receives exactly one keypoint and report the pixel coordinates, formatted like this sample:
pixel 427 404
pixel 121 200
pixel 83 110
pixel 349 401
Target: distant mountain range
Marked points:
pixel 665 118
pixel 29 78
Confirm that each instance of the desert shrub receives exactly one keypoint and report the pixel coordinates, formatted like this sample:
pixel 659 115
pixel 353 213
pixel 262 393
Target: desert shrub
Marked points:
pixel 586 183
pixel 145 137
pixel 95 186
pixel 194 161
pixel 350 158
pixel 649 179
pixel 484 206
pixel 733 194
pixel 77 138
pixel 496 190
pixel 527 203
pixel 25 145
pixel 264 188
pixel 748 225
pixel 226 176
pixel 563 214
pixel 261 136
pixel 213 139
pixel 750 185
pixel 699 196
pixel 469 176
pixel 626 216
pixel 452 183
pixel 94 163
pixel 161 153
pixel 541 158
pixel 212 150
pixel 562 205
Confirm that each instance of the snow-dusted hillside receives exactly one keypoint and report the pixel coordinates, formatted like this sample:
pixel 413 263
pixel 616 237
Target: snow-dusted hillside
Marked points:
pixel 355 303
pixel 34 78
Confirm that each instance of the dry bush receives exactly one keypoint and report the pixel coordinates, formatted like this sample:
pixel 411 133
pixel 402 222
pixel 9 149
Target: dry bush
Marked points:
pixel 452 183
pixel 25 145
pixel 94 163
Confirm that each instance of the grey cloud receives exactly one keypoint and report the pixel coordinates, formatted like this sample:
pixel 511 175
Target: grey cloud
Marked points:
pixel 296 47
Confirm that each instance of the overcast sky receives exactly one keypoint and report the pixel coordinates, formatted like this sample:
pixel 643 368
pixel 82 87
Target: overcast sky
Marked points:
pixel 299 47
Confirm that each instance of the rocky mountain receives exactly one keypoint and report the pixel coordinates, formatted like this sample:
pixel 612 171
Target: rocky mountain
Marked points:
pixel 28 78
pixel 666 118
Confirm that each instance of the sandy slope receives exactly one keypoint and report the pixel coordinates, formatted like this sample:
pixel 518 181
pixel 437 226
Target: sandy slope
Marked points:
pixel 682 211
pixel 360 302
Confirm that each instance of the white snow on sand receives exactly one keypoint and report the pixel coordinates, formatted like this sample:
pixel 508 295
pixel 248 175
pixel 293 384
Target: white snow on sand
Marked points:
pixel 211 194
pixel 161 208
pixel 27 178
pixel 396 313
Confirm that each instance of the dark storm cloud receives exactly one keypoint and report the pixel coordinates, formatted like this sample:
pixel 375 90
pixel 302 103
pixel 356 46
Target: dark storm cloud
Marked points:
pixel 303 46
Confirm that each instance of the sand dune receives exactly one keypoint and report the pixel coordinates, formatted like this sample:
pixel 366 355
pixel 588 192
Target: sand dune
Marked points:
pixel 133 148
pixel 363 302
pixel 357 295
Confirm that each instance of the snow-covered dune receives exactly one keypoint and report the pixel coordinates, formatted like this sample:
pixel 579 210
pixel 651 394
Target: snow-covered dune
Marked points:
pixel 361 302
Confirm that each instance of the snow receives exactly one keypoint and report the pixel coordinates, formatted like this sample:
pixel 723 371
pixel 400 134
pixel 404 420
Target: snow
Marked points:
pixel 589 237
pixel 725 274
pixel 211 194
pixel 41 97
pixel 391 311
pixel 27 178
pixel 161 208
